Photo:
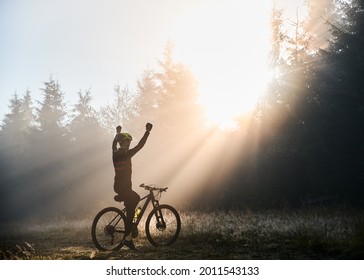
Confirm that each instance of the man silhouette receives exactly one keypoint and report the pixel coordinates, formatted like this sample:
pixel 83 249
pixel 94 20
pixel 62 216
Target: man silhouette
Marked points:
pixel 123 170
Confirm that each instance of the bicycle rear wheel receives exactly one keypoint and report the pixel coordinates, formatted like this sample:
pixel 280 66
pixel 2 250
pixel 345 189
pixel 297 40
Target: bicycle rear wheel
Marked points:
pixel 163 225
pixel 108 229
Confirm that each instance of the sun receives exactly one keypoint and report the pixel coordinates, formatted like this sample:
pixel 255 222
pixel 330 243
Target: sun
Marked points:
pixel 226 44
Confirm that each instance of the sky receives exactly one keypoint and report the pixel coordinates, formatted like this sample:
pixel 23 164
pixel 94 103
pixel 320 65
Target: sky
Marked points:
pixel 84 44
pixel 94 45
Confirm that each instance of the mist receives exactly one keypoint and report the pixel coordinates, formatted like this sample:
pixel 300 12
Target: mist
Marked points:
pixel 300 141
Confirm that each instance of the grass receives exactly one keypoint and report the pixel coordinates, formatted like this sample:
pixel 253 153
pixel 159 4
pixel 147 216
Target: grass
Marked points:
pixel 320 233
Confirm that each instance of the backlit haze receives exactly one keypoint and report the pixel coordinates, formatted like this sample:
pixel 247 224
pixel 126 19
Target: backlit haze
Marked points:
pixel 227 43
pixel 94 45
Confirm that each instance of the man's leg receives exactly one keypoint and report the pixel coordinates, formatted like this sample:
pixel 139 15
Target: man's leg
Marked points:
pixel 130 202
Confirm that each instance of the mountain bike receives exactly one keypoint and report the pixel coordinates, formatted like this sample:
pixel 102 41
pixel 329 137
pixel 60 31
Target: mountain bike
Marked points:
pixel 162 226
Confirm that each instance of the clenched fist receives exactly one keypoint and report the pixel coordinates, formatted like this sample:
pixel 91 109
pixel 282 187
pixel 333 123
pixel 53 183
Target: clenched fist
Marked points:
pixel 148 127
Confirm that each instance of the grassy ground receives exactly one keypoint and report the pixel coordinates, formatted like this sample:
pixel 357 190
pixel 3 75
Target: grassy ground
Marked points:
pixel 307 234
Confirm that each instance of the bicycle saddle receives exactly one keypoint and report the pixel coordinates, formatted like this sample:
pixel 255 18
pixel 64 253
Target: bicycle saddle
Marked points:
pixel 118 198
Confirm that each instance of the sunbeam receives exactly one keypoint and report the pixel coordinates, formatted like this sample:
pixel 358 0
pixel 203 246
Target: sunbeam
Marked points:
pixel 226 44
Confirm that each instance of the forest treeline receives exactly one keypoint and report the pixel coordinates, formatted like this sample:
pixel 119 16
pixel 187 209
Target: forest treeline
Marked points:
pixel 306 138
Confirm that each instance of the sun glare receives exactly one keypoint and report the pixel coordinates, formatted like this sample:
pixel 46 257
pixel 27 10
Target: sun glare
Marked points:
pixel 226 44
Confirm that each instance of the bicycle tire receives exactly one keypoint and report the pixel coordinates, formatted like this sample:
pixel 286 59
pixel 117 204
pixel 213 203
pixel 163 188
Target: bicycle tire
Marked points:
pixel 165 230
pixel 108 229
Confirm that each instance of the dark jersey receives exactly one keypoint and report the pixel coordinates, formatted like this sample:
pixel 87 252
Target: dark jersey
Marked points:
pixel 123 166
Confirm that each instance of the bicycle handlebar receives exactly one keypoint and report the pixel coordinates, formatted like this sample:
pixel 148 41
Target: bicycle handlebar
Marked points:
pixel 153 188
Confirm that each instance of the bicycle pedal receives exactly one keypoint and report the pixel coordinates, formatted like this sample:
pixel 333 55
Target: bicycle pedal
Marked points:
pixel 134 232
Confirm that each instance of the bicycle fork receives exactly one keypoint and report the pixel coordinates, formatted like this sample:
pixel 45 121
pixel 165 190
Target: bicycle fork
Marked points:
pixel 160 224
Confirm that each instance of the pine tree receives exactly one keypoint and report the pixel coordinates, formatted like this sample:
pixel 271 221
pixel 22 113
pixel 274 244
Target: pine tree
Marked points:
pixel 341 99
pixel 178 94
pixel 15 152
pixel 12 129
pixel 84 126
pixel 320 12
pixel 49 139
pixel 89 150
pixel 122 111
pixel 52 111
pixel 148 98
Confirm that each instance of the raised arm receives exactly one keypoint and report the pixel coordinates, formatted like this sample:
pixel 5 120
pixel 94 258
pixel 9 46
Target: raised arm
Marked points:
pixel 142 141
pixel 114 144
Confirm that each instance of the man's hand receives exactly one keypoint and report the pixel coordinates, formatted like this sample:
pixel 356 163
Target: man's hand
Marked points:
pixel 118 129
pixel 148 127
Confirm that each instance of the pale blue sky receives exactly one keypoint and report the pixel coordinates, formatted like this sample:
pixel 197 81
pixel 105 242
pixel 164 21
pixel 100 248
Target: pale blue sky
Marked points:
pixel 95 44
pixel 83 44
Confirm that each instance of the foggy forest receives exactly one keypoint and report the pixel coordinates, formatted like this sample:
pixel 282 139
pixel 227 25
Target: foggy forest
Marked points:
pixel 302 145
pixel 303 141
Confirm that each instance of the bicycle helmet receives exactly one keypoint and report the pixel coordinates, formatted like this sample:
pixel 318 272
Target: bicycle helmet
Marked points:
pixel 124 136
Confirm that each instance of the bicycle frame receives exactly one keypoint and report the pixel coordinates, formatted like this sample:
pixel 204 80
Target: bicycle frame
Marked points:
pixel 149 198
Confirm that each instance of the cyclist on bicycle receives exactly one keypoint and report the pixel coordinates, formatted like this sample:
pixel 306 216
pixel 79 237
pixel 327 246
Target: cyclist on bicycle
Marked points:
pixel 123 169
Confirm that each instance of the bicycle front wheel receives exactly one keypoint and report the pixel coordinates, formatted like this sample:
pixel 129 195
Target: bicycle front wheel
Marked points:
pixel 108 229
pixel 163 225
